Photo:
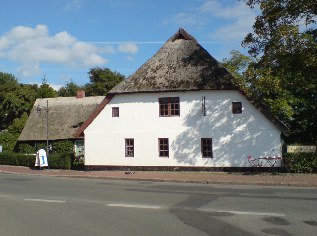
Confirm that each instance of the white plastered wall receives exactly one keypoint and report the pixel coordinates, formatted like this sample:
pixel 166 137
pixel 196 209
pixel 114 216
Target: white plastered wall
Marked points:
pixel 234 136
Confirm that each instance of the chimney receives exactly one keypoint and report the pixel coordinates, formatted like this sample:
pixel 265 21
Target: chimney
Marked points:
pixel 80 94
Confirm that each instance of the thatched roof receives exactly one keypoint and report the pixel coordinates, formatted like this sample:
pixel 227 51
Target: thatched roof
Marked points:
pixel 65 116
pixel 181 64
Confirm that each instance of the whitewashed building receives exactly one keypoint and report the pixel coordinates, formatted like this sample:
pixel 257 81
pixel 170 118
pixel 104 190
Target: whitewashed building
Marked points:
pixel 179 109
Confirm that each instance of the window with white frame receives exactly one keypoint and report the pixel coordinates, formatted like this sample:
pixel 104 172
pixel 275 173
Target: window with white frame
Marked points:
pixel 169 106
pixel 129 147
pixel 163 147
pixel 206 147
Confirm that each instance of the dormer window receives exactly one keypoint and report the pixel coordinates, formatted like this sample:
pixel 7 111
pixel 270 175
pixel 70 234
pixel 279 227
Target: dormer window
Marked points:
pixel 169 106
pixel 236 107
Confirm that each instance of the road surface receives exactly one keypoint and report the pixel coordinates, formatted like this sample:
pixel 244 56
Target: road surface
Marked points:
pixel 41 205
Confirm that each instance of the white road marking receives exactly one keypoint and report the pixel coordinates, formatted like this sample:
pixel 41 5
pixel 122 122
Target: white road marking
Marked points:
pixel 204 210
pixel 44 200
pixel 134 206
pixel 252 213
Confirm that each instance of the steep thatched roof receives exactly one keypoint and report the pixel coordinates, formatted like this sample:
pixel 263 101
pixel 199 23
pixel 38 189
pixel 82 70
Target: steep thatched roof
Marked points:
pixel 65 116
pixel 180 65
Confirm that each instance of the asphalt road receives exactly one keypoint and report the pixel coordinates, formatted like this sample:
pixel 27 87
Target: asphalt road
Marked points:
pixel 40 205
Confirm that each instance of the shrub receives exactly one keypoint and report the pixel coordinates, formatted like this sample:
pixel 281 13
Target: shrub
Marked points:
pixel 59 161
pixel 7 140
pixel 55 161
pixel 25 148
pixel 62 147
pixel 16 159
pixel 301 162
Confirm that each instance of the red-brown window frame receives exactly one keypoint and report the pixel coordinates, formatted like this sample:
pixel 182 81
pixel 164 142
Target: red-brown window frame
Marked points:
pixel 129 147
pixel 115 112
pixel 236 107
pixel 163 147
pixel 206 148
pixel 169 106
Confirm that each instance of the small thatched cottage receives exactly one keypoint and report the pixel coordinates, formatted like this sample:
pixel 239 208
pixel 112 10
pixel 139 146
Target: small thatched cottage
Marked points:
pixel 179 109
pixel 65 115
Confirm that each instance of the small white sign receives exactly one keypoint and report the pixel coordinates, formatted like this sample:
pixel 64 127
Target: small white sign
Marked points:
pixel 41 158
pixel 0 148
pixel 292 149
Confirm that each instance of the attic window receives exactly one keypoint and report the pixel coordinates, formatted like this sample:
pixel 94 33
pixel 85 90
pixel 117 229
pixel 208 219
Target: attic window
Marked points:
pixel 115 112
pixel 236 107
pixel 169 106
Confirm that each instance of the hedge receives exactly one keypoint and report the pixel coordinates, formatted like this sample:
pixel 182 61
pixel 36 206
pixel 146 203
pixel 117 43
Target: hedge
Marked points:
pixel 55 161
pixel 59 161
pixel 16 159
pixel 301 162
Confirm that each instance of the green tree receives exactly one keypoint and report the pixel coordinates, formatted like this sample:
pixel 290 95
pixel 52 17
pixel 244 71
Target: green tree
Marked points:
pixel 8 84
pixel 9 137
pixel 69 90
pixel 7 140
pixel 18 124
pixel 238 65
pixel 285 45
pixel 7 80
pixel 101 81
pixel 259 84
pixel 45 90
pixel 17 102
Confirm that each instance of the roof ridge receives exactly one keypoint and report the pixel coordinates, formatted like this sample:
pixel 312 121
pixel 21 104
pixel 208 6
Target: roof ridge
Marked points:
pixel 181 64
pixel 181 34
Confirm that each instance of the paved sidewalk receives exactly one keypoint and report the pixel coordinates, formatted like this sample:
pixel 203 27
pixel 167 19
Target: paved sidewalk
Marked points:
pixel 302 180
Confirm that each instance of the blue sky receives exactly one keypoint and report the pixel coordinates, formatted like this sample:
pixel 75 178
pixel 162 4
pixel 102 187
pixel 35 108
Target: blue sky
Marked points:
pixel 63 39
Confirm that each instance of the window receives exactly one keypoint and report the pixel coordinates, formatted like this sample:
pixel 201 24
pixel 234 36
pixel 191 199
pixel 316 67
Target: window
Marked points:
pixel 206 147
pixel 163 147
pixel 236 107
pixel 169 106
pixel 129 147
pixel 115 112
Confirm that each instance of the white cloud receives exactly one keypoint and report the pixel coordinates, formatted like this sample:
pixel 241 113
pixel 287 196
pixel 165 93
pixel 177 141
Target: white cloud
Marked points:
pixel 237 19
pixel 56 86
pixel 30 47
pixel 131 48
pixel 28 70
pixel 229 20
pixel 73 5
pixel 186 20
pixel 238 9
pixel 129 58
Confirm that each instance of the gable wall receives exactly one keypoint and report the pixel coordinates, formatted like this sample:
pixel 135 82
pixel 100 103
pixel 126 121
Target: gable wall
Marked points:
pixel 234 135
